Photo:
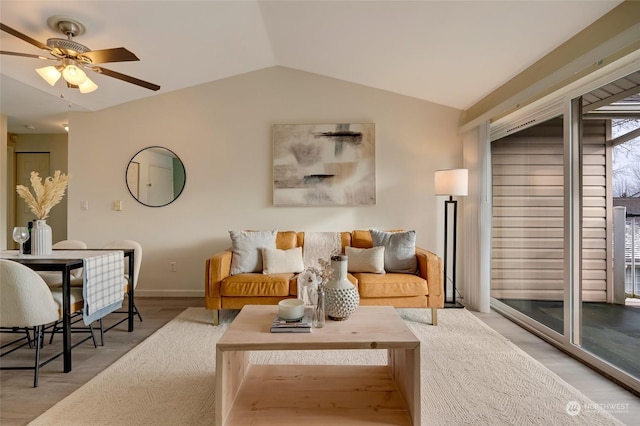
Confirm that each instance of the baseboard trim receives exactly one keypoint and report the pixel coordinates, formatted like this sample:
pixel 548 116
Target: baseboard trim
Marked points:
pixel 169 293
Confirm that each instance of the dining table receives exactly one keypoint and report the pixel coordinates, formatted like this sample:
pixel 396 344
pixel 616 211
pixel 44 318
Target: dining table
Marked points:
pixel 65 261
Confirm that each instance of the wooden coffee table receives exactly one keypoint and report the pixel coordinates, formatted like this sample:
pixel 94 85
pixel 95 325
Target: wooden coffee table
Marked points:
pixel 318 394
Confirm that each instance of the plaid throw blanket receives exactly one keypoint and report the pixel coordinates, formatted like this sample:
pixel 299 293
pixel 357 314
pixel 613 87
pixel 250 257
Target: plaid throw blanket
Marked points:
pixel 104 284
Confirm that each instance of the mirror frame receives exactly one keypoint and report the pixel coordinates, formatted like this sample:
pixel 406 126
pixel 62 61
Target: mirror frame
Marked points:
pixel 132 161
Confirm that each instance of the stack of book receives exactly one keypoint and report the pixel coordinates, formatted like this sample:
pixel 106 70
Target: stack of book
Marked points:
pixel 303 325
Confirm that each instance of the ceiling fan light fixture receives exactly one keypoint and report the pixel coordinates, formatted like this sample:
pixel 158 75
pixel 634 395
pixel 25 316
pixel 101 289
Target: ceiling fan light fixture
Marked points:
pixel 87 86
pixel 74 57
pixel 74 75
pixel 49 74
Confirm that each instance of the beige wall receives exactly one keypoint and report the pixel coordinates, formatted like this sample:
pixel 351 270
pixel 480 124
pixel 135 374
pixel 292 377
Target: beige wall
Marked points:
pixel 222 133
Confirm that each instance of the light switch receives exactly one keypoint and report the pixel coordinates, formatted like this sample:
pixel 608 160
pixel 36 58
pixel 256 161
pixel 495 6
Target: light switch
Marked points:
pixel 84 205
pixel 117 205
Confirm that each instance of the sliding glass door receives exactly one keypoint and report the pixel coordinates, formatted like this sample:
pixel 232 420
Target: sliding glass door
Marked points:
pixel 565 252
pixel 609 309
pixel 527 268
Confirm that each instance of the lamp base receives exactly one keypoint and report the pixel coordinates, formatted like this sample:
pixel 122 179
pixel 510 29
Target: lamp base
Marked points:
pixel 449 305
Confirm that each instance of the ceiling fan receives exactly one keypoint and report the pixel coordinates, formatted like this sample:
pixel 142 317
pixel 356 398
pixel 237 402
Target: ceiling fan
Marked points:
pixel 73 57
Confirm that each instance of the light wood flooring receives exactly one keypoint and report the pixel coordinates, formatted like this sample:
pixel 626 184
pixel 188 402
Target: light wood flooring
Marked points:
pixel 20 402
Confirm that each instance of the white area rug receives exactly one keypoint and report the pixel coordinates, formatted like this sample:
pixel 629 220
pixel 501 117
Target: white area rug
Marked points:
pixel 470 375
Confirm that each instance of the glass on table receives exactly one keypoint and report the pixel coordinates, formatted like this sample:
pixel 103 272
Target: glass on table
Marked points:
pixel 20 235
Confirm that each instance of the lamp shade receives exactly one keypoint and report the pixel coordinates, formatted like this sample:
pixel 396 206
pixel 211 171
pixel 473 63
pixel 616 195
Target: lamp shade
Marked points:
pixel 87 86
pixel 74 75
pixel 451 182
pixel 50 74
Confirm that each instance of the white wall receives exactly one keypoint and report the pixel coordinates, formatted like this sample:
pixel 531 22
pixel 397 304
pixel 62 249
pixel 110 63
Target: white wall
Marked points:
pixel 222 133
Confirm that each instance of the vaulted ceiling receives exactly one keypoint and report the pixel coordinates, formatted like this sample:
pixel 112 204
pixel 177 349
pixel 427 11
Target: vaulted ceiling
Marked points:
pixel 449 52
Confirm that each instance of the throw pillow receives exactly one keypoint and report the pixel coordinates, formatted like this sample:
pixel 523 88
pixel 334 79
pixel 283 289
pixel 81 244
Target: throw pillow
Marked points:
pixel 246 246
pixel 277 261
pixel 399 250
pixel 365 260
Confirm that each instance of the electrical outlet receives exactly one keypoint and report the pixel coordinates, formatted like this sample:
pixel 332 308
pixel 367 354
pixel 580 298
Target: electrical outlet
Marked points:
pixel 84 205
pixel 172 266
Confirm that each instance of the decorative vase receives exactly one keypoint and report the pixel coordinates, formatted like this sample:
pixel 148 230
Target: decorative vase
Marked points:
pixel 41 235
pixel 318 310
pixel 341 297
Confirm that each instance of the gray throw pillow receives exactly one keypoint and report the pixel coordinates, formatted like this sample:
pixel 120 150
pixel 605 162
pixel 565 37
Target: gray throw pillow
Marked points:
pixel 246 247
pixel 399 250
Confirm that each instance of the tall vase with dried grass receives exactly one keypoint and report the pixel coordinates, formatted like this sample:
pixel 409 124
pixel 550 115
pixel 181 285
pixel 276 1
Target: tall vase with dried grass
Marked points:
pixel 47 195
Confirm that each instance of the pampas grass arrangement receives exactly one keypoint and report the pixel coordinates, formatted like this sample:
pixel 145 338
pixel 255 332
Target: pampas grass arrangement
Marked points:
pixel 47 195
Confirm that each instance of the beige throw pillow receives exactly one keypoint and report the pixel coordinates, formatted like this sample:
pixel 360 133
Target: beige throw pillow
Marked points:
pixel 277 261
pixel 365 260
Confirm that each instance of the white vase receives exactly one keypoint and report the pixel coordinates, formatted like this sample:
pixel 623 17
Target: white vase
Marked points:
pixel 41 239
pixel 341 297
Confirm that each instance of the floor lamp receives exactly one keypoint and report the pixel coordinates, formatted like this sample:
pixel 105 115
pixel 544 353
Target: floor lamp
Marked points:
pixel 451 182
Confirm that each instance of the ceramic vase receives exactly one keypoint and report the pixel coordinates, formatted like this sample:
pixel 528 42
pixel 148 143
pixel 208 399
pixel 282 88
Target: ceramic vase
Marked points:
pixel 341 297
pixel 41 235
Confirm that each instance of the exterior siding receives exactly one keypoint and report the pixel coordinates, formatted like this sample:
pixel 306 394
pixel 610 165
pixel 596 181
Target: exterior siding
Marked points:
pixel 595 212
pixel 528 214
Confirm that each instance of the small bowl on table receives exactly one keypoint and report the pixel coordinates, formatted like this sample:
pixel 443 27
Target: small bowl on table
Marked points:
pixel 291 309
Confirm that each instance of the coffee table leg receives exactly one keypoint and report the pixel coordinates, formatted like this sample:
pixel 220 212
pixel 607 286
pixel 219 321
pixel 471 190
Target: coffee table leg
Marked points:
pixel 231 366
pixel 405 367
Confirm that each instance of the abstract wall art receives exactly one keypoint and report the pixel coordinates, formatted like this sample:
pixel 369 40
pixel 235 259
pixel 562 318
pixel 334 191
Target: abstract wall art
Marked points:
pixel 324 164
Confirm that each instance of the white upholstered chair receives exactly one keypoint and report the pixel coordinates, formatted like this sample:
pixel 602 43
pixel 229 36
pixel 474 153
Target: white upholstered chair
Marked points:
pixel 27 302
pixel 54 279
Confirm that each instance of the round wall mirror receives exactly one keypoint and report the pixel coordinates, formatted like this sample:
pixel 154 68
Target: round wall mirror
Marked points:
pixel 155 176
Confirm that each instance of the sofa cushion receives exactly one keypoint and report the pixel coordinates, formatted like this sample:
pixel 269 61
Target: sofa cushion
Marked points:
pixel 399 250
pixel 365 260
pixel 276 261
pixel 256 285
pixel 246 246
pixel 286 240
pixel 390 285
pixel 361 238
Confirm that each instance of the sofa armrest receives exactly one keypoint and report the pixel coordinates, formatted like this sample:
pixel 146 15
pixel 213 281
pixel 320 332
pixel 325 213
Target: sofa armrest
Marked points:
pixel 430 268
pixel 217 268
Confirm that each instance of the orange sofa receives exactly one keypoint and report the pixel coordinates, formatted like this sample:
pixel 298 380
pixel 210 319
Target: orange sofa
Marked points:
pixel 225 291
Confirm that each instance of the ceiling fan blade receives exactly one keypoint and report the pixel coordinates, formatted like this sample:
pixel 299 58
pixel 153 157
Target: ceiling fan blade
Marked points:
pixel 26 55
pixel 24 37
pixel 118 54
pixel 126 78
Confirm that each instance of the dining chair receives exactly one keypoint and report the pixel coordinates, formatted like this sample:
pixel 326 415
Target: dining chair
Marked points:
pixel 137 261
pixel 54 279
pixel 76 303
pixel 28 303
